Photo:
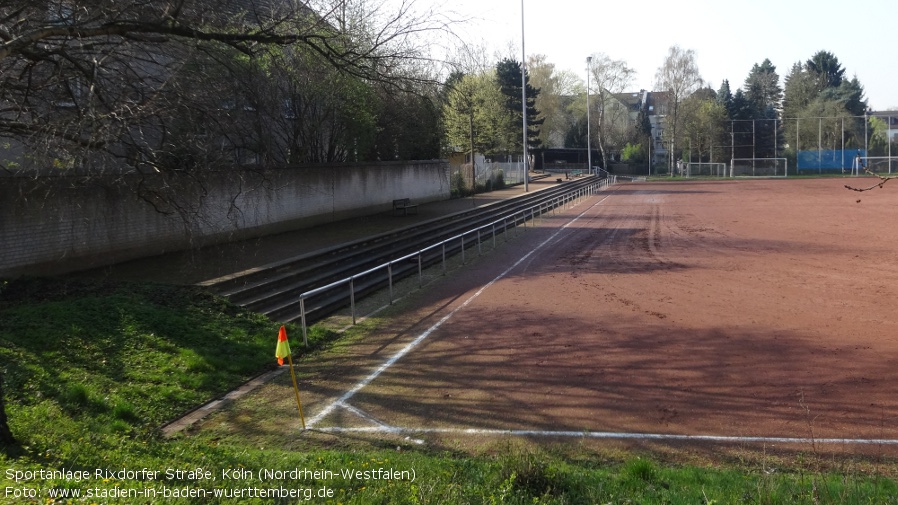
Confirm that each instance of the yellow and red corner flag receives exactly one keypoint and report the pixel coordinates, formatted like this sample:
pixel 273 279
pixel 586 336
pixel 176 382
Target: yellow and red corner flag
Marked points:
pixel 283 348
pixel 283 351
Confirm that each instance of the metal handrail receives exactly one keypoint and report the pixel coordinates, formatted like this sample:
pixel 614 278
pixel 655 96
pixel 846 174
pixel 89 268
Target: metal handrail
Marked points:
pixel 556 202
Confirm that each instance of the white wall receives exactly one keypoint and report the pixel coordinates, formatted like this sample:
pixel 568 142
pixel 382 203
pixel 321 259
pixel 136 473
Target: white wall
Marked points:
pixel 57 224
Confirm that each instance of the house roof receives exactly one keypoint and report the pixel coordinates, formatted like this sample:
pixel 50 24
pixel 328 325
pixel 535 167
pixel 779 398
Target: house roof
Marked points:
pixel 890 116
pixel 642 98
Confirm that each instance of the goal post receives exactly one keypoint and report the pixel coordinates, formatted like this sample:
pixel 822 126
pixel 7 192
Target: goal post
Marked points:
pixel 759 167
pixel 706 169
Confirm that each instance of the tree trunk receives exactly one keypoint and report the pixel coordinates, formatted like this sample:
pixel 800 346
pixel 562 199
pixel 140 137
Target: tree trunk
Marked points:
pixel 6 438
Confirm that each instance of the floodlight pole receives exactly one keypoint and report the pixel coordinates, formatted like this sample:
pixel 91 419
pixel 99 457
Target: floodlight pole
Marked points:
pixel 866 140
pixel 588 128
pixel 524 101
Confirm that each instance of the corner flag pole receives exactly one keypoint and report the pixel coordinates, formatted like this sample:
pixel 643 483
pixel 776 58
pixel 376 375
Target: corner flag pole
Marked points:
pixel 283 351
pixel 296 390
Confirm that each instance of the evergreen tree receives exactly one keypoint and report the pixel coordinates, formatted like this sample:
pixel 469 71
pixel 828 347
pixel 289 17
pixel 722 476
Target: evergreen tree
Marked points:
pixel 762 89
pixel 642 129
pixel 741 108
pixel 799 91
pixel 833 106
pixel 763 96
pixel 725 96
pixel 827 68
pixel 508 74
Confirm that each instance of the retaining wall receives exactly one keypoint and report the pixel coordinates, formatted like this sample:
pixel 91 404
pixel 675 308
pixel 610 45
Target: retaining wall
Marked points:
pixel 51 225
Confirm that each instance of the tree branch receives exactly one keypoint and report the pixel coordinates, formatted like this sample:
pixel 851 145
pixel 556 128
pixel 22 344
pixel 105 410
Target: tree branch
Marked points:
pixel 882 181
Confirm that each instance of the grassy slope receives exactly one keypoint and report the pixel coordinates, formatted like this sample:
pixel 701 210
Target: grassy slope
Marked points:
pixel 93 369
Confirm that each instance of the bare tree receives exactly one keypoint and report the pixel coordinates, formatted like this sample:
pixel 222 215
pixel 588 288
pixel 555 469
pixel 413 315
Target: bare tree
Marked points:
pixel 679 77
pixel 78 76
pixel 611 77
pixel 554 86
pixel 172 87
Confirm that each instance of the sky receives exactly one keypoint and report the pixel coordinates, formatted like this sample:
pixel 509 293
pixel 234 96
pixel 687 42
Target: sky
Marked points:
pixel 728 38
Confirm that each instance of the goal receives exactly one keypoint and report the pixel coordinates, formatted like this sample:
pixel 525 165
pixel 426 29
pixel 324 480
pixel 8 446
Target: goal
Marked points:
pixel 882 165
pixel 759 167
pixel 696 169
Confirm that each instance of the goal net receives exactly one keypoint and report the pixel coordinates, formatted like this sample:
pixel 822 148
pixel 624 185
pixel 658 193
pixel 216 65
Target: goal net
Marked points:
pixel 696 169
pixel 758 167
pixel 882 165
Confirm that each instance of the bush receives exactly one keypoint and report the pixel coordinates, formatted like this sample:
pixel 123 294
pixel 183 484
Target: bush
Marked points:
pixel 633 153
pixel 459 187
pixel 500 180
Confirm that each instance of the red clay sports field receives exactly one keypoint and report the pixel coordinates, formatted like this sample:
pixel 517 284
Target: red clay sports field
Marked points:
pixel 746 310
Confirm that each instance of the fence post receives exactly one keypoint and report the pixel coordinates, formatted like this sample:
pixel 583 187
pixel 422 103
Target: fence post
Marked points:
pixel 352 298
pixel 390 277
pixel 302 311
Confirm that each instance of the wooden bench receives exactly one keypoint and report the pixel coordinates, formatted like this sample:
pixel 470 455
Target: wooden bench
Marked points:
pixel 405 205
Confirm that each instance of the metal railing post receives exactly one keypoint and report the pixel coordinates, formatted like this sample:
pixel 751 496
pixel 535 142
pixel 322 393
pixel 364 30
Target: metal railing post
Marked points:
pixel 390 276
pixel 352 297
pixel 420 269
pixel 302 311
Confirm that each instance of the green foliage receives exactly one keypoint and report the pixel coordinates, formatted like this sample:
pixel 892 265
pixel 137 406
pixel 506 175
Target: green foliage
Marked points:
pixel 762 89
pixel 817 89
pixel 705 125
pixel 322 114
pixel 633 153
pixel 640 469
pixel 508 75
pixel 879 138
pixel 474 114
pixel 459 185
pixel 499 181
pixel 407 127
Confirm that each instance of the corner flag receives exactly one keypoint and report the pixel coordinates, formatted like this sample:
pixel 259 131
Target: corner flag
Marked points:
pixel 283 348
pixel 283 351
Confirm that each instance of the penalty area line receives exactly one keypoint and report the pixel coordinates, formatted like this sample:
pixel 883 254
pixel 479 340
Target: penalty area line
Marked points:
pixel 414 343
pixel 608 435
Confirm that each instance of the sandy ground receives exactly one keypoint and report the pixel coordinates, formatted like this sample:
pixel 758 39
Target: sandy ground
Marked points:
pixel 736 308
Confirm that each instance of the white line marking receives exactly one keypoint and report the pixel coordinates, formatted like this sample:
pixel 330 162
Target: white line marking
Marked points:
pixel 414 343
pixel 366 417
pixel 614 435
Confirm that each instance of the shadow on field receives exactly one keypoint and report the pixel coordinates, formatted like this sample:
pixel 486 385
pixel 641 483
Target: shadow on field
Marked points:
pixel 577 373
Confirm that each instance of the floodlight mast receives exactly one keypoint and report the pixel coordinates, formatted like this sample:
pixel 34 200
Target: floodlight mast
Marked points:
pixel 588 133
pixel 524 101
